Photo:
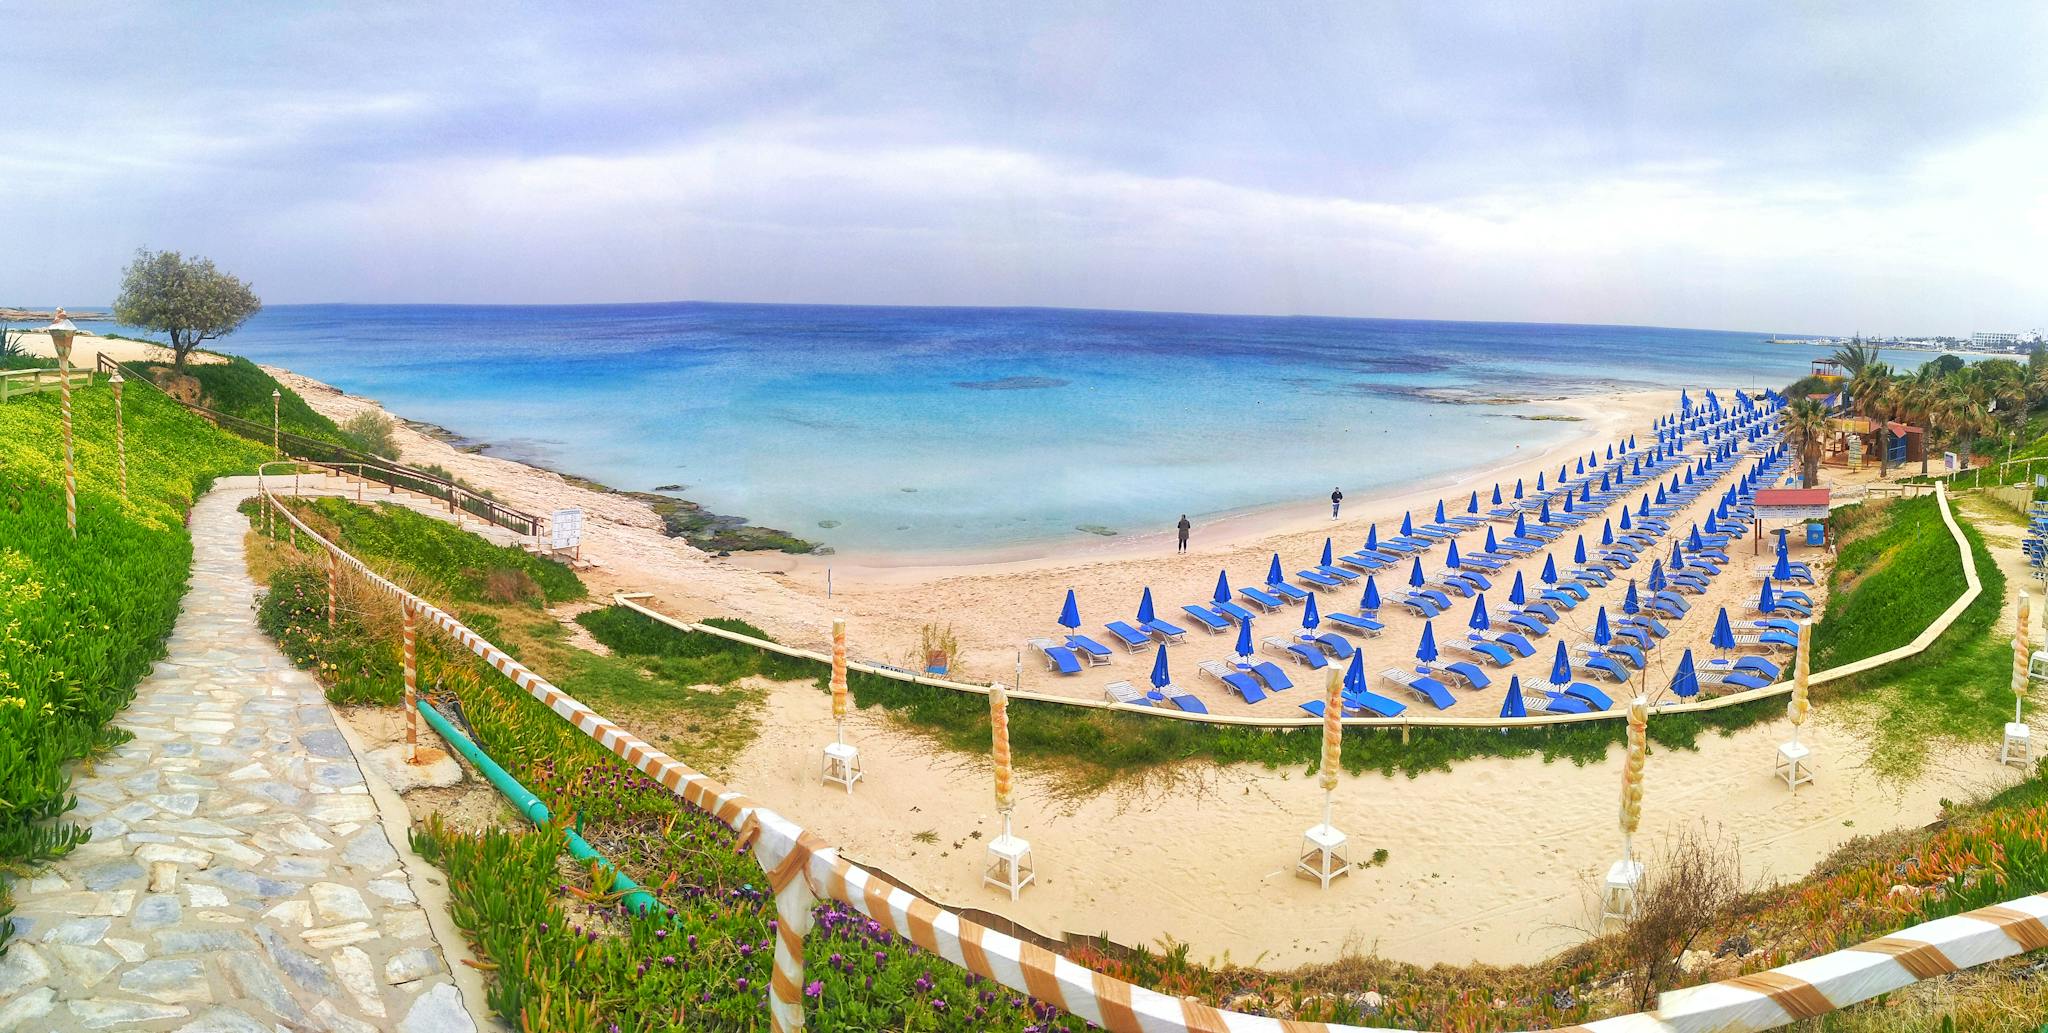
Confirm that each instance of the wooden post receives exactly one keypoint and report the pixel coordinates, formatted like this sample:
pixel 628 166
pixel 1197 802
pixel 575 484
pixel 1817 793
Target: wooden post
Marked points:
pixel 70 458
pixel 333 571
pixel 120 434
pixel 409 654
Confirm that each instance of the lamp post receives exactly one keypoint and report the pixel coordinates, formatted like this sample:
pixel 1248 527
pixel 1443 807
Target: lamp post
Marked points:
pixel 61 331
pixel 276 400
pixel 120 433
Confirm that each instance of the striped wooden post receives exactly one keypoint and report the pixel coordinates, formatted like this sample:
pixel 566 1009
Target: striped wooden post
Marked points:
pixel 120 434
pixel 333 572
pixel 409 653
pixel 70 458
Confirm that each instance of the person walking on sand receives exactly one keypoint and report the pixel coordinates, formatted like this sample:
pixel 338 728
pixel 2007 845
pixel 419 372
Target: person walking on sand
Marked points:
pixel 1336 500
pixel 1184 527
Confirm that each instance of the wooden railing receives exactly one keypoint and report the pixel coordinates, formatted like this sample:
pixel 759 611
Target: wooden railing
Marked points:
pixel 16 382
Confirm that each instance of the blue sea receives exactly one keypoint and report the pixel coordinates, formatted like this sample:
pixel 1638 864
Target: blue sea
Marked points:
pixel 932 429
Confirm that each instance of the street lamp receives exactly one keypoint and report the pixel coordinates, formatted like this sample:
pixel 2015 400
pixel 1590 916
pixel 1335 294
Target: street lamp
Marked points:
pixel 275 400
pixel 61 330
pixel 120 432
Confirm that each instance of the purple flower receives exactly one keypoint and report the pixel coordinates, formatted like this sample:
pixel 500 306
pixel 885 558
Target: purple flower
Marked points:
pixel 741 983
pixel 661 934
pixel 815 988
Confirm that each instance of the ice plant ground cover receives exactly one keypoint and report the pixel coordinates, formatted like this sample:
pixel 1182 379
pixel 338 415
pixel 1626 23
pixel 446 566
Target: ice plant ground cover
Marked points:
pixel 82 620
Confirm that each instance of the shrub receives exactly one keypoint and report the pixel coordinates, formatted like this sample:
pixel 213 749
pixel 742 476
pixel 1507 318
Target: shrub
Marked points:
pixel 372 432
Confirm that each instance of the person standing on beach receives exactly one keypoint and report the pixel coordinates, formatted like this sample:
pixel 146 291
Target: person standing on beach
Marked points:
pixel 1184 528
pixel 1336 500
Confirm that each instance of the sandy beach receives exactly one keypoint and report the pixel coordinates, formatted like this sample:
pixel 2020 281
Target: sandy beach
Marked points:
pixel 87 347
pixel 1495 861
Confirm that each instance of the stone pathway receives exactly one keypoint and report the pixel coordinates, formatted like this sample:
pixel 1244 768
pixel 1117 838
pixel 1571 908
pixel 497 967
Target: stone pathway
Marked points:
pixel 238 878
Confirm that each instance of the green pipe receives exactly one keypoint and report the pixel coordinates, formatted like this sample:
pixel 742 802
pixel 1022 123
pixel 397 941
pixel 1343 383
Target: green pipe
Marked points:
pixel 638 900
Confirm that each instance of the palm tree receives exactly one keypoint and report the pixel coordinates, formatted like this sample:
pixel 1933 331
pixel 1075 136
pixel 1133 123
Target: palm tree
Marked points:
pixel 1869 392
pixel 1856 356
pixel 1963 409
pixel 1807 420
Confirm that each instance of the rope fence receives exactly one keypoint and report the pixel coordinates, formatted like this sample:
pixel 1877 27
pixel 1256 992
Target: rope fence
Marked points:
pixel 802 870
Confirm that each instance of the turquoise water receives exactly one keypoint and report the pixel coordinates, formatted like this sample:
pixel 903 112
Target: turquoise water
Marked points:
pixel 932 429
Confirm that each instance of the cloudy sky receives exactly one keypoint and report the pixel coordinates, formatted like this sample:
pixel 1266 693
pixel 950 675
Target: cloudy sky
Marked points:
pixel 1753 165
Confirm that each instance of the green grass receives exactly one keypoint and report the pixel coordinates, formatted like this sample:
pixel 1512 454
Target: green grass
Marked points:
pixel 82 620
pixel 1892 580
pixel 453 564
pixel 241 388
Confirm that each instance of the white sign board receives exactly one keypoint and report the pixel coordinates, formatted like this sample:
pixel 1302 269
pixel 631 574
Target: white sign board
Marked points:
pixel 566 529
pixel 1948 461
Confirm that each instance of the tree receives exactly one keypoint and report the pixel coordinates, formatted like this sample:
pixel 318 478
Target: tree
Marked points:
pixel 190 301
pixel 1807 421
pixel 1873 392
pixel 1856 356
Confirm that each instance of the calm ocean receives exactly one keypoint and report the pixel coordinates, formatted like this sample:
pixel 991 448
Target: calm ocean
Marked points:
pixel 927 429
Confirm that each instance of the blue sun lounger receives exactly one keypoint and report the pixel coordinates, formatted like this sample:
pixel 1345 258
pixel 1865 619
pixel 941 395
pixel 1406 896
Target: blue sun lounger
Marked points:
pixel 1784 605
pixel 1261 598
pixel 1564 599
pixel 1126 693
pixel 1366 699
pixel 1366 561
pixel 1181 699
pixel 1287 592
pixel 1346 576
pixel 1464 669
pixel 1493 652
pixel 1573 589
pixel 1088 649
pixel 1057 657
pixel 1132 639
pixel 1796 596
pixel 1778 624
pixel 1311 657
pixel 1211 621
pixel 1540 610
pixel 1233 611
pixel 1738 678
pixel 1519 645
pixel 1636 636
pixel 1318 579
pixel 1421 604
pixel 1590 694
pixel 1246 685
pixel 1422 685
pixel 1759 665
pixel 1339 647
pixel 1663 607
pixel 1606 665
pixel 1645 622
pixel 1165 631
pixel 1353 622
pixel 1482 561
pixel 1270 673
pixel 1561 703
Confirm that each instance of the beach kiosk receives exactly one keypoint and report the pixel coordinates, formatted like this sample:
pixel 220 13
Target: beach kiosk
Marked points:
pixel 1781 506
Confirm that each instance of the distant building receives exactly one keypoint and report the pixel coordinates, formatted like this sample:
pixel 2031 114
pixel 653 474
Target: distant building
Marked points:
pixel 1995 342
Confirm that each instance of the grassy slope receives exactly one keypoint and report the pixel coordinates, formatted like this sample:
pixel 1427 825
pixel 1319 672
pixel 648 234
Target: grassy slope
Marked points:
pixel 239 387
pixel 82 620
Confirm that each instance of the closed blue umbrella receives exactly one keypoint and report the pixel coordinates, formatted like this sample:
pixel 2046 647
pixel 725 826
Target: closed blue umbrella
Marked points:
pixel 1481 620
pixel 1783 569
pixel 1677 557
pixel 1070 614
pixel 1543 516
pixel 1586 491
pixel 1415 578
pixel 1145 613
pixel 1661 497
pixel 1372 538
pixel 1244 639
pixel 1273 571
pixel 1407 525
pixel 1439 511
pixel 1518 489
pixel 1644 509
pixel 1516 594
pixel 1521 525
pixel 1579 467
pixel 1549 569
pixel 1610 452
pixel 1310 616
pixel 1602 634
pixel 1539 480
pixel 1491 544
pixel 1579 552
pixel 1328 551
pixel 1724 634
pixel 1625 525
pixel 1425 650
pixel 1657 582
pixel 1686 683
pixel 1451 557
pixel 1354 675
pixel 1629 603
pixel 1561 668
pixel 1472 504
pixel 1607 532
pixel 1160 679
pixel 1605 484
pixel 1371 602
pixel 1568 501
pixel 1222 593
pixel 1512 705
pixel 1766 601
pixel 1496 494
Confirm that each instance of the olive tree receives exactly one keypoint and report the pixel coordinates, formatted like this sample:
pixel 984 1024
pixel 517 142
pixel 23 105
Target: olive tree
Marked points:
pixel 187 299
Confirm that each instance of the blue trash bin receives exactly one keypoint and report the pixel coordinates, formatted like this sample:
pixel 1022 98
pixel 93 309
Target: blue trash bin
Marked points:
pixel 1816 535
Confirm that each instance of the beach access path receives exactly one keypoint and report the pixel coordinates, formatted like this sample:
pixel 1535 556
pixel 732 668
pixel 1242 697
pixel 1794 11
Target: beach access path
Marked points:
pixel 242 874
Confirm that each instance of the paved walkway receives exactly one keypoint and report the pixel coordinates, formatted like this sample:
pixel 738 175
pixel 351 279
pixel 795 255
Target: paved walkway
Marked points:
pixel 238 878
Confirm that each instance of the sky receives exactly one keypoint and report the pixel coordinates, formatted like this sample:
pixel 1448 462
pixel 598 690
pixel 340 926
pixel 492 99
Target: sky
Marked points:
pixel 1770 166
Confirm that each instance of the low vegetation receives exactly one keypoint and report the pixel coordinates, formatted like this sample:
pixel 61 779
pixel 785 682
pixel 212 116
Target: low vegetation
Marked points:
pixel 242 389
pixel 82 620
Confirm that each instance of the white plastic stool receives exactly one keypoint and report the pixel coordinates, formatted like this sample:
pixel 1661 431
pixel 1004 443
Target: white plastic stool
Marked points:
pixel 2019 745
pixel 1322 854
pixel 842 765
pixel 1009 864
pixel 1618 898
pixel 1792 766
